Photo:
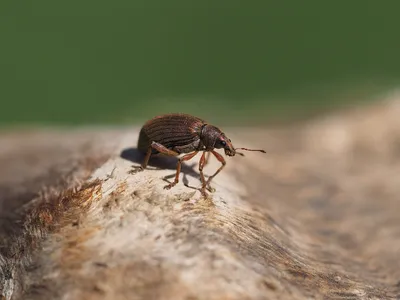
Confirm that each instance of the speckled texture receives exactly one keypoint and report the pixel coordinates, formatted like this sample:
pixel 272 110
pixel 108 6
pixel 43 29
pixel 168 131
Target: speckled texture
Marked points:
pixel 315 218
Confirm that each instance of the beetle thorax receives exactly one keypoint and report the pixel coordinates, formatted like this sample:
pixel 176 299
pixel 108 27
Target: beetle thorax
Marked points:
pixel 209 135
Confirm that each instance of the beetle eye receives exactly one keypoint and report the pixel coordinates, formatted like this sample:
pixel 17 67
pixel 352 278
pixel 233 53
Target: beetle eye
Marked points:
pixel 223 143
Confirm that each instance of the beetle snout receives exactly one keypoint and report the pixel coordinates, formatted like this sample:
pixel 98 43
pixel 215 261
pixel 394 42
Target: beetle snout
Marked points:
pixel 228 148
pixel 230 151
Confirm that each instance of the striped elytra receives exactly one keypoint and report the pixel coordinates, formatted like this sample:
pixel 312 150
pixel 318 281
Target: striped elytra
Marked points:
pixel 170 130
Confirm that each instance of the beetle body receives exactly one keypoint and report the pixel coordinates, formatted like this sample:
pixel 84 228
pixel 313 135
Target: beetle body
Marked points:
pixel 175 134
pixel 173 131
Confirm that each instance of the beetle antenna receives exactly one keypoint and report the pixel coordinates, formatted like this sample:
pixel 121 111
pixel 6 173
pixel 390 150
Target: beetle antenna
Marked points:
pixel 259 150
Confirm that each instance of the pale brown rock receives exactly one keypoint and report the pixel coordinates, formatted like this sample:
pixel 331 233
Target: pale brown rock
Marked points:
pixel 317 217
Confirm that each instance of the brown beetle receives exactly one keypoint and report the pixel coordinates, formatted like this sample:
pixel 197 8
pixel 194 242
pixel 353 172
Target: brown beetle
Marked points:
pixel 176 133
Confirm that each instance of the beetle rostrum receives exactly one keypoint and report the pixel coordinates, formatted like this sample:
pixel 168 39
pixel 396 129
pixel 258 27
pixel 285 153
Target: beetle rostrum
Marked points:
pixel 177 133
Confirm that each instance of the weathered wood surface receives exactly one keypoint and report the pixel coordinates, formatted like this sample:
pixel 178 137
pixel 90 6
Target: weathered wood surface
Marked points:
pixel 317 217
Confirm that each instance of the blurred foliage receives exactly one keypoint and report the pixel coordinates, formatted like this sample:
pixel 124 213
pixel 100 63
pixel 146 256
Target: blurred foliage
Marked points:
pixel 74 62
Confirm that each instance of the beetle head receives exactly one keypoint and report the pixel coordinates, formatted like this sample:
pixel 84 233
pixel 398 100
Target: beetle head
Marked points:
pixel 213 138
pixel 224 142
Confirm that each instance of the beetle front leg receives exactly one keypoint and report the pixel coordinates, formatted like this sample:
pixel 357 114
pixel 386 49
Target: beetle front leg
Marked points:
pixel 203 180
pixel 202 163
pixel 207 158
pixel 178 169
pixel 222 161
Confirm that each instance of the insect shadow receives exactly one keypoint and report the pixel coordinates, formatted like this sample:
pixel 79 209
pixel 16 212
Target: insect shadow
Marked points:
pixel 162 162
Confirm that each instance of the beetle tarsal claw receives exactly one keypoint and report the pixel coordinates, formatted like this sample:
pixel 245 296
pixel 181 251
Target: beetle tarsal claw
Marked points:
pixel 135 169
pixel 210 189
pixel 169 186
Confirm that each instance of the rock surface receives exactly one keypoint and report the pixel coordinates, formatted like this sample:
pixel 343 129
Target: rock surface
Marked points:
pixel 317 217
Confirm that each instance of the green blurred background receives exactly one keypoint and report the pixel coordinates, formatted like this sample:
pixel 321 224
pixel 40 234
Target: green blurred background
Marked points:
pixel 94 62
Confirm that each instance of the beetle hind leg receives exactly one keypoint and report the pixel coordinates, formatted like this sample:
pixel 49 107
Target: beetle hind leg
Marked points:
pixel 154 146
pixel 143 166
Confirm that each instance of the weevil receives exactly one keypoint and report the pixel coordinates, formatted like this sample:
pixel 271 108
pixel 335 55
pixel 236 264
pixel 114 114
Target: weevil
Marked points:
pixel 178 133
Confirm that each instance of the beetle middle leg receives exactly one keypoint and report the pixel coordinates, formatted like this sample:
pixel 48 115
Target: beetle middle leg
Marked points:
pixel 178 168
pixel 207 158
pixel 222 161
